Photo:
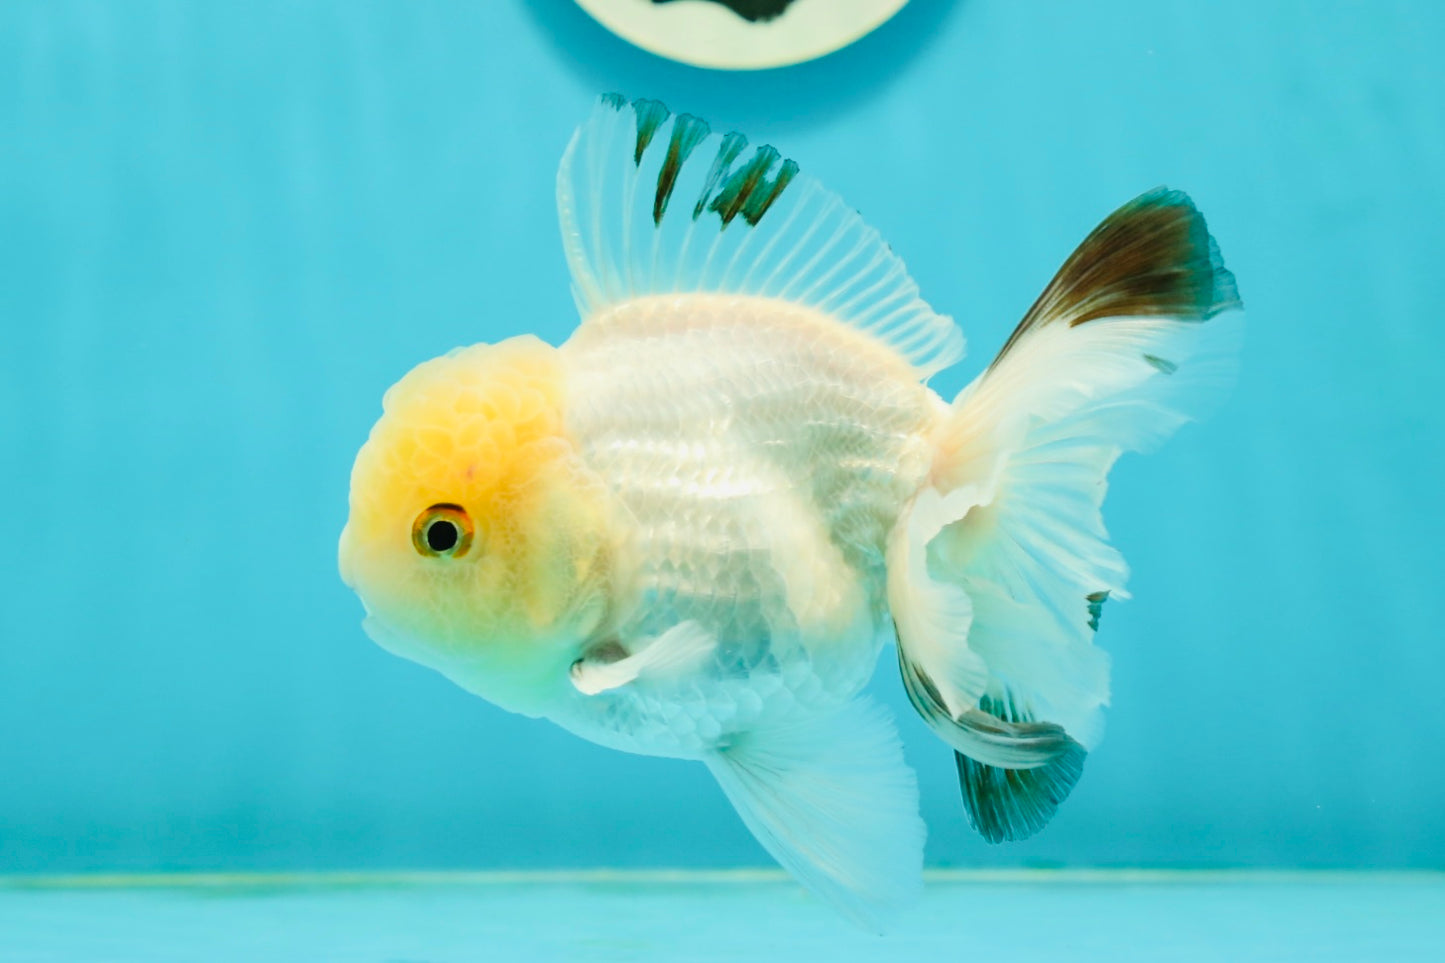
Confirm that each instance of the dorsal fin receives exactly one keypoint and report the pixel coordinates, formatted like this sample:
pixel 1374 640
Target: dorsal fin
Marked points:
pixel 652 203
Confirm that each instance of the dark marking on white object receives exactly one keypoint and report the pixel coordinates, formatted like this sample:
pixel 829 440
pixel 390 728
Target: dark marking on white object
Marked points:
pixel 1096 602
pixel 687 132
pixel 732 145
pixel 650 115
pixel 1003 804
pixel 1151 258
pixel 749 190
pixel 1007 805
pixel 753 11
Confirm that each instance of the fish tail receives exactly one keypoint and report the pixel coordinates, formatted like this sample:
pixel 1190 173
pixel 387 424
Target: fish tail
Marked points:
pixel 1000 569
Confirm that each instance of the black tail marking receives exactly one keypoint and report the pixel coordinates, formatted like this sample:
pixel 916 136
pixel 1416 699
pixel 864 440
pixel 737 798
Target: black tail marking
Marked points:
pixel 1007 805
pixel 1153 257
pixel 1003 804
pixel 1096 602
pixel 1161 364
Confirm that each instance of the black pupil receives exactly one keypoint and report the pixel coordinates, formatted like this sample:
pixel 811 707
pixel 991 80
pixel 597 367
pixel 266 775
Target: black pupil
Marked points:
pixel 441 536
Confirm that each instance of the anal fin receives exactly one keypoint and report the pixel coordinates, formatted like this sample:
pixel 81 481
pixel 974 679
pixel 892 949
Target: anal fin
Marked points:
pixel 832 799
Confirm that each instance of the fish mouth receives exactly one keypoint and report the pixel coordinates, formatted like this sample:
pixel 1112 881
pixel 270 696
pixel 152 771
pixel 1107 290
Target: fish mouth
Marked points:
pixel 343 558
pixel 346 560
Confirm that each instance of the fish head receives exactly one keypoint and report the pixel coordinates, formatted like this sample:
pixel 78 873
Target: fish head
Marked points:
pixel 477 541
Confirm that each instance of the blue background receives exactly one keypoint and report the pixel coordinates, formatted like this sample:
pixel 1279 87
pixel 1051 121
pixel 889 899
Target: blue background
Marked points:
pixel 225 228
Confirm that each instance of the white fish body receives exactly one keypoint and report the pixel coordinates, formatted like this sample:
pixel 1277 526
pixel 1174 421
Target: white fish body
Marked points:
pixel 769 492
pixel 763 454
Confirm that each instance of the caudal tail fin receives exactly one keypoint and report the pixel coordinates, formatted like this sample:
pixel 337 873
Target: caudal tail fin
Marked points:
pixel 998 575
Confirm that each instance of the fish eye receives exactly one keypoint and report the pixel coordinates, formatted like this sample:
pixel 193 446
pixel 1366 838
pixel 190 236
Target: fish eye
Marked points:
pixel 442 531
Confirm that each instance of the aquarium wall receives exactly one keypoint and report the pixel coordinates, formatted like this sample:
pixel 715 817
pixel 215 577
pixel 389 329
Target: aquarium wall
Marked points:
pixel 226 229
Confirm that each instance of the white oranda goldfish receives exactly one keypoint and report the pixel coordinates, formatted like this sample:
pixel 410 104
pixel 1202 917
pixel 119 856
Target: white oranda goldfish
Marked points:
pixel 689 530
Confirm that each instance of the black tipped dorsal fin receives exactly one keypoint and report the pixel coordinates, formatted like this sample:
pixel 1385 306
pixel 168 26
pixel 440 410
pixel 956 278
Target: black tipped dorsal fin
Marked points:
pixel 652 204
pixel 1153 257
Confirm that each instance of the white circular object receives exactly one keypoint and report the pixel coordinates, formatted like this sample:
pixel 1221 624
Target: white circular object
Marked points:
pixel 712 33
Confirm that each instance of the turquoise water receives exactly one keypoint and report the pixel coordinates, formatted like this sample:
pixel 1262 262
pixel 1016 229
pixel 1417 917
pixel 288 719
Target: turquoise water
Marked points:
pixel 229 227
pixel 1022 918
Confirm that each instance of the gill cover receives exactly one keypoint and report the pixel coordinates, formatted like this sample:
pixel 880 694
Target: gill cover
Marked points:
pixel 477 542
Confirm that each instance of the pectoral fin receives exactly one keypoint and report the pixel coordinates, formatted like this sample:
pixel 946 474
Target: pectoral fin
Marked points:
pixel 608 665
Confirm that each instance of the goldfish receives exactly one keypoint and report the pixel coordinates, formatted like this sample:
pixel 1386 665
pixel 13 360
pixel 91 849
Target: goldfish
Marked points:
pixel 691 529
